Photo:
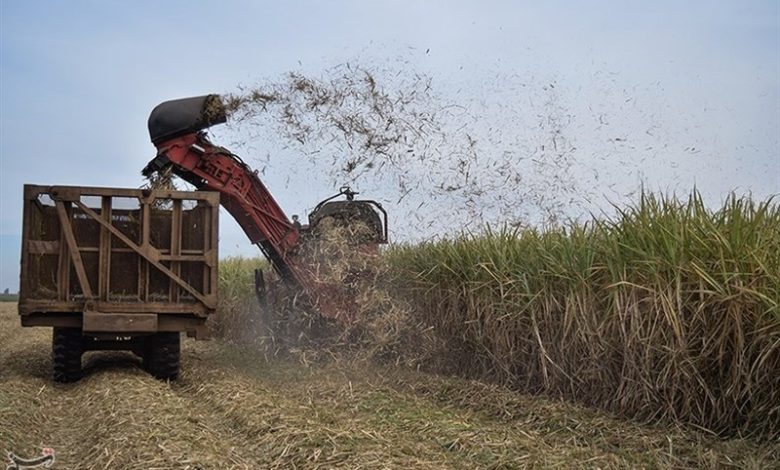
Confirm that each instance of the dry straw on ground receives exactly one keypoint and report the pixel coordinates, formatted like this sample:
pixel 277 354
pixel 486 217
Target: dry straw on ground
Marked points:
pixel 231 409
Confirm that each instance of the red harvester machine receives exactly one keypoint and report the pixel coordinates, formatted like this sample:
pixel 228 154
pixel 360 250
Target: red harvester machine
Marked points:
pixel 177 129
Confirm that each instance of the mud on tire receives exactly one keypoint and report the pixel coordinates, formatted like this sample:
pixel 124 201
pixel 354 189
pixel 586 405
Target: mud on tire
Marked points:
pixel 67 348
pixel 161 355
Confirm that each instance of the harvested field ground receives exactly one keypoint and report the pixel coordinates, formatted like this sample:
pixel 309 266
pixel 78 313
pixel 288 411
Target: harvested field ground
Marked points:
pixel 232 409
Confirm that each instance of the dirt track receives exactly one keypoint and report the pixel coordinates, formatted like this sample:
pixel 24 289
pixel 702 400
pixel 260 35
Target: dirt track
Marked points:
pixel 231 409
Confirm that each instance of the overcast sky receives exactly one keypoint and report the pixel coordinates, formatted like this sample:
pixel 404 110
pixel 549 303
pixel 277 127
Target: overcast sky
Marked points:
pixel 693 85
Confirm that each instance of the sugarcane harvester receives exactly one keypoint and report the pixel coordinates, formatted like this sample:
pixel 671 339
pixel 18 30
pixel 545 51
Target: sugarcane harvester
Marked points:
pixel 177 129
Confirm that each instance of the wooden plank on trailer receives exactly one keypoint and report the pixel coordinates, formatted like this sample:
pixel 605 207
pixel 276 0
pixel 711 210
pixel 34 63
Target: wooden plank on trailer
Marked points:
pixel 40 247
pixel 143 268
pixel 213 250
pixel 63 269
pixel 196 309
pixel 151 257
pixel 73 247
pixel 99 322
pixel 104 257
pixel 175 247
pixel 24 278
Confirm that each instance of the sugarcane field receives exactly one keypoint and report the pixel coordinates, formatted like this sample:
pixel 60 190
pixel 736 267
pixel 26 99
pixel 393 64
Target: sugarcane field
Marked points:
pixel 438 235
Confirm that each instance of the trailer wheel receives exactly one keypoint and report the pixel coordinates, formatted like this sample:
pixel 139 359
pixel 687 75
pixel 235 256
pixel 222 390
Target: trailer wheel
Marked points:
pixel 161 355
pixel 66 350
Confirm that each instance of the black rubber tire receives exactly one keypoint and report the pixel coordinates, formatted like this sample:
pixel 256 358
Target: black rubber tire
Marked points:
pixel 66 350
pixel 161 355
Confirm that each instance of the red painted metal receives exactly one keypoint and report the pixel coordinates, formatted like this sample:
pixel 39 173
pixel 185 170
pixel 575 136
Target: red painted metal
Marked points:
pixel 248 200
pixel 214 168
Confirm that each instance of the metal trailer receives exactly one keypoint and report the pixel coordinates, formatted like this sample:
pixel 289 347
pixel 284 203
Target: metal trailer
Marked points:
pixel 112 268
